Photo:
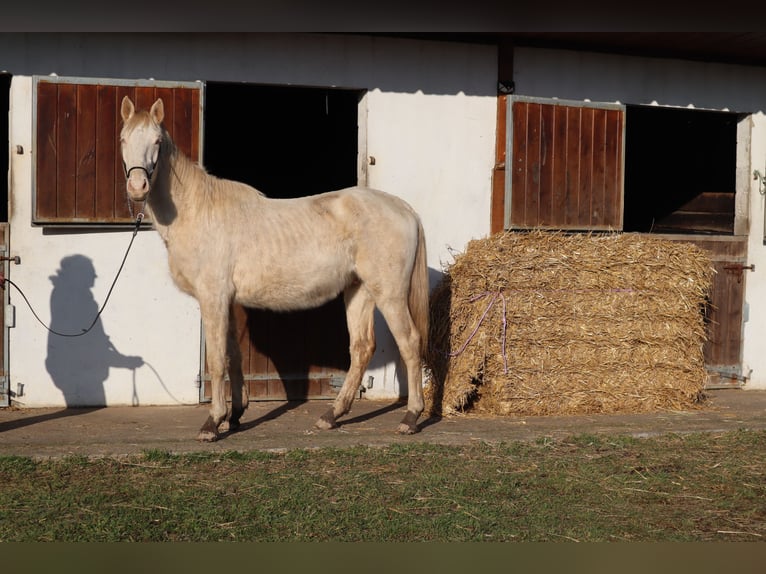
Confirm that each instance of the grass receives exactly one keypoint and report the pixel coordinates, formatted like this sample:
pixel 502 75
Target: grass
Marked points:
pixel 696 487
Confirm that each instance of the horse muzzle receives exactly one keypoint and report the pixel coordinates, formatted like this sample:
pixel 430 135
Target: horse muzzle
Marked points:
pixel 138 183
pixel 137 192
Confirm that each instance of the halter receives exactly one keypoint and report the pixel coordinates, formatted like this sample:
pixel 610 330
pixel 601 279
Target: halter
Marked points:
pixel 148 172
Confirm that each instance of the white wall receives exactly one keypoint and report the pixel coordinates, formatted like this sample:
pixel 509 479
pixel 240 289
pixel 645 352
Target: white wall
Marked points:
pixel 431 111
pixel 632 80
pixel 754 356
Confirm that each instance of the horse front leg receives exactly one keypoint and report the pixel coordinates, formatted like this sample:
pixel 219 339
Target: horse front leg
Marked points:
pixel 240 396
pixel 215 323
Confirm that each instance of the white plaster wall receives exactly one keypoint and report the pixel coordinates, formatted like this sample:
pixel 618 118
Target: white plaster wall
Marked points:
pixel 632 80
pixel 430 112
pixel 451 192
pixel 754 356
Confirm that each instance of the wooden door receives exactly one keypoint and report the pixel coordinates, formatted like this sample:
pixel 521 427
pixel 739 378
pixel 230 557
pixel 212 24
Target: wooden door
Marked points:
pixel 564 169
pixel 301 355
pixel 79 178
pixel 724 315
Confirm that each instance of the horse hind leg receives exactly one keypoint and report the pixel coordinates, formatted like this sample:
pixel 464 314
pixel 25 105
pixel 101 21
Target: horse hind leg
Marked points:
pixel 360 309
pixel 408 339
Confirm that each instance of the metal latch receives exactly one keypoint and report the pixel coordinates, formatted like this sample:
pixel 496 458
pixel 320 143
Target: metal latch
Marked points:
pixel 738 268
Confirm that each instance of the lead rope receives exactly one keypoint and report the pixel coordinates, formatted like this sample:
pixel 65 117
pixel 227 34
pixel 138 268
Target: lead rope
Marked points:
pixel 4 280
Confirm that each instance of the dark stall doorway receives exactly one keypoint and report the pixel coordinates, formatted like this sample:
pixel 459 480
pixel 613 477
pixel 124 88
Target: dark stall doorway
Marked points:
pixel 680 170
pixel 681 182
pixel 5 101
pixel 286 142
pixel 5 106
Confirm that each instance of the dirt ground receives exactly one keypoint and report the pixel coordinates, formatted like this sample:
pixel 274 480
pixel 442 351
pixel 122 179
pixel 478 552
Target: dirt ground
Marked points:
pixel 278 426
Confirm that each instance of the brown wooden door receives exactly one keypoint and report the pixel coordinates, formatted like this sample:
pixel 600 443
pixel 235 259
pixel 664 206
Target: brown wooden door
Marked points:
pixel 291 356
pixel 301 355
pixel 79 178
pixel 724 315
pixel 565 166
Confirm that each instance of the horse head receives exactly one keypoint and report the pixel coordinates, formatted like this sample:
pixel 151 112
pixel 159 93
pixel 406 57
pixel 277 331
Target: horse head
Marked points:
pixel 140 140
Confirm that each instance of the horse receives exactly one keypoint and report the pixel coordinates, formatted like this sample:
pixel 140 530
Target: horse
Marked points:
pixel 228 243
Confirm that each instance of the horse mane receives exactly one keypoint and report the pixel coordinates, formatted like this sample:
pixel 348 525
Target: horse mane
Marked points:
pixel 198 184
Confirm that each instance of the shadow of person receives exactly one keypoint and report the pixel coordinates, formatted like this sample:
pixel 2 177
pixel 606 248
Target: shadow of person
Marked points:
pixel 79 361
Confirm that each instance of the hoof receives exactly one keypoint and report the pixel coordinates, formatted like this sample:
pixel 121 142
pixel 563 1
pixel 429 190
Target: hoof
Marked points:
pixel 409 424
pixel 208 432
pixel 326 421
pixel 207 436
pixel 405 428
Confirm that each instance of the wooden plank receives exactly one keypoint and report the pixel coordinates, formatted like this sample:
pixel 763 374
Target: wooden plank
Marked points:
pixel 711 202
pixel 66 144
pixel 46 191
pixel 497 203
pixel 195 151
pixel 546 160
pixel 85 174
pixel 182 119
pixel 559 167
pixel 107 173
pixel 532 168
pixel 585 182
pixel 720 248
pixel 144 97
pixel 684 222
pixel 595 217
pixel 612 203
pixel 573 161
pixel 519 164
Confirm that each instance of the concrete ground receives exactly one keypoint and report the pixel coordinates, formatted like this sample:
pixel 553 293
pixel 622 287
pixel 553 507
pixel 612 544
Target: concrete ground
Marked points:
pixel 278 426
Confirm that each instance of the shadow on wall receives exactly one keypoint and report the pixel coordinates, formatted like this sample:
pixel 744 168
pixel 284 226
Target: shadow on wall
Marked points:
pixel 79 364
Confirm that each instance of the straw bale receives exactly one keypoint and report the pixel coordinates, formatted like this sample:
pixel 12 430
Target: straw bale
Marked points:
pixel 535 323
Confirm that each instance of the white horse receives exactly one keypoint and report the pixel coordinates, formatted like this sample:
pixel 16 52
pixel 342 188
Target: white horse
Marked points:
pixel 228 243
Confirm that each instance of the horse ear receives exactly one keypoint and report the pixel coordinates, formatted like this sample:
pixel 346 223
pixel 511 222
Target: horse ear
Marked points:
pixel 127 109
pixel 158 111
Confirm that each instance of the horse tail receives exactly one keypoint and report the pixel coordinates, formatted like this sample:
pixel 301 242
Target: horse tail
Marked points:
pixel 419 290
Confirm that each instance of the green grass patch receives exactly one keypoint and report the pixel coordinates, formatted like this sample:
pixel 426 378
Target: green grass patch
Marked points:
pixel 698 487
